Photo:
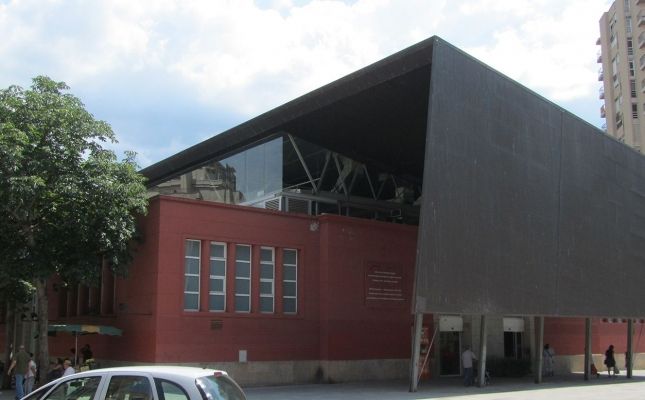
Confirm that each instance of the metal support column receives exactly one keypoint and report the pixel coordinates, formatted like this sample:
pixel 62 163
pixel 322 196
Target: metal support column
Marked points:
pixel 483 338
pixel 416 350
pixel 588 356
pixel 629 354
pixel 539 346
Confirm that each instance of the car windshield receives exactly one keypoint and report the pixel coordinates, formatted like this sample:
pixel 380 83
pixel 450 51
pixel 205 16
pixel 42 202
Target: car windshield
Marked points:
pixel 219 387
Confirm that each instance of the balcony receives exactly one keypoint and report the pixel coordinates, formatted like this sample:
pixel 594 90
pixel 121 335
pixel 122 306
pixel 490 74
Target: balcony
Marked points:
pixel 601 93
pixel 599 60
pixel 602 111
pixel 600 76
pixel 639 2
pixel 598 42
pixel 641 39
pixel 640 18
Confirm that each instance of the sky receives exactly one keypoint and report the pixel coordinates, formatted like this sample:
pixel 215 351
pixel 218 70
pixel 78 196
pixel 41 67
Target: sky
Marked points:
pixel 168 74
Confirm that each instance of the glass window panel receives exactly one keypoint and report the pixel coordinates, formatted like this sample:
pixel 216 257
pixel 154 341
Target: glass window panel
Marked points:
pixel 266 304
pixel 237 166
pixel 255 172
pixel 289 273
pixel 192 284
pixel 216 285
pixel 289 305
pixel 191 301
pixel 266 287
pixel 273 165
pixel 242 286
pixel 216 302
pixel 170 390
pixel 290 257
pixel 192 265
pixel 289 288
pixel 266 271
pixel 129 387
pixel 217 250
pixel 266 255
pixel 243 253
pixel 242 303
pixel 218 267
pixel 242 269
pixel 192 248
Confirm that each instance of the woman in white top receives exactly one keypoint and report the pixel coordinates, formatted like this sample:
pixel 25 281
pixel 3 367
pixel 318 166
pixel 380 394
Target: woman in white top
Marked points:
pixel 30 376
pixel 67 368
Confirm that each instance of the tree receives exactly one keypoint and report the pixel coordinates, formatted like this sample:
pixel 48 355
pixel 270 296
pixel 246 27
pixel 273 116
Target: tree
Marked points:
pixel 67 204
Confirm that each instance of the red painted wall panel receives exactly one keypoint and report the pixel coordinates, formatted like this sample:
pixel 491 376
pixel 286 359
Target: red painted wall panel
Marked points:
pixel 567 335
pixel 354 328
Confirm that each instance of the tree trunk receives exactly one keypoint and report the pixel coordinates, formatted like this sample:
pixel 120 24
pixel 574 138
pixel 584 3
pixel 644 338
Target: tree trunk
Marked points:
pixel 43 322
pixel 9 330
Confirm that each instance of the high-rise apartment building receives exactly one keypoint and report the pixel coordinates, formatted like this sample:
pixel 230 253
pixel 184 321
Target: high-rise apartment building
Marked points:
pixel 622 56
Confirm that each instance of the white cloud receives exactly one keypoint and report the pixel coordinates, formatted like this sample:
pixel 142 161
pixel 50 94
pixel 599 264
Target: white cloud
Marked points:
pixel 245 57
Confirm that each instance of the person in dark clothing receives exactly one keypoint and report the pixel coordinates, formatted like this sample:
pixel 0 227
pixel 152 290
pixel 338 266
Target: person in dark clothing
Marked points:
pixel 86 352
pixel 610 361
pixel 56 370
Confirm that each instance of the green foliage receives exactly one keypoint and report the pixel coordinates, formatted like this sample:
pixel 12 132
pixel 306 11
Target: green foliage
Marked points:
pixel 66 203
pixel 508 367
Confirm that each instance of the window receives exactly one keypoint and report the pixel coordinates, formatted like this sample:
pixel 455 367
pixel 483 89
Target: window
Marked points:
pixel 631 69
pixel 76 389
pixel 167 390
pixel 129 388
pixel 192 262
pixel 626 6
pixel 630 47
pixel 219 387
pixel 217 278
pixel 290 281
pixel 635 110
pixel 242 278
pixel 267 279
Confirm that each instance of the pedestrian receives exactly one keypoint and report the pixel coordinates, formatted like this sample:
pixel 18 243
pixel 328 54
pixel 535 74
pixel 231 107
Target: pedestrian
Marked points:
pixel 19 363
pixel 467 358
pixel 547 360
pixel 86 352
pixel 67 368
pixel 56 370
pixel 610 362
pixel 30 376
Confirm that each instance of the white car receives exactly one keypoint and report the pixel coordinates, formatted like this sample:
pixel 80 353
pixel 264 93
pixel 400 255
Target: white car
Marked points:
pixel 142 383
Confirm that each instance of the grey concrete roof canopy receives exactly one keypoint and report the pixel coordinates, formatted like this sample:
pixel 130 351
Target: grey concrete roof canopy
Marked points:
pixel 526 208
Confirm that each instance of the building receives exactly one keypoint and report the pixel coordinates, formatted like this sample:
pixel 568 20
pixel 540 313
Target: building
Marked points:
pixel 304 244
pixel 622 71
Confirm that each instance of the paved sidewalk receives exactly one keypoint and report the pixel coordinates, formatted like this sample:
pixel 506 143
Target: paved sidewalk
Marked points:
pixel 556 388
pixel 567 387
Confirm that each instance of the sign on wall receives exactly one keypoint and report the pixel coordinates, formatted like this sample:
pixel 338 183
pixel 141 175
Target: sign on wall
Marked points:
pixel 384 284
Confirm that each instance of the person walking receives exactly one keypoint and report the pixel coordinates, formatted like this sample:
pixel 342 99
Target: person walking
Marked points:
pixel 19 363
pixel 610 361
pixel 30 376
pixel 467 358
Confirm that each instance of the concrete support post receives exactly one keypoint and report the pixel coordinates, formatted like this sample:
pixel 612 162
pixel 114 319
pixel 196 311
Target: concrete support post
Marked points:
pixel 629 354
pixel 588 359
pixel 483 338
pixel 416 350
pixel 539 346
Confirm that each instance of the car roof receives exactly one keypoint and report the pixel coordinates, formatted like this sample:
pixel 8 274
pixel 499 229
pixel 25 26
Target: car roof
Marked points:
pixel 160 370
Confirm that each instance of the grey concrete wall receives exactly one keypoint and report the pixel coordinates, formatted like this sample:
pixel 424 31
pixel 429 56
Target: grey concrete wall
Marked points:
pixel 260 373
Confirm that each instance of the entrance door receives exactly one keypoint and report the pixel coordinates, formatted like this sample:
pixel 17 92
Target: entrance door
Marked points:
pixel 450 353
